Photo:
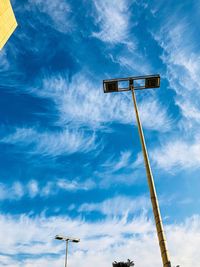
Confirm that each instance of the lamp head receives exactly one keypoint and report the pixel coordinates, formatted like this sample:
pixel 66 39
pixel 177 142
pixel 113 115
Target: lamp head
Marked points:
pixel 130 83
pixel 76 240
pixel 153 82
pixel 59 237
pixel 110 86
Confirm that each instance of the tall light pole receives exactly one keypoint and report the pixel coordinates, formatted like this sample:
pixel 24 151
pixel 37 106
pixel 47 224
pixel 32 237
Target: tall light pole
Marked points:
pixel 132 84
pixel 67 240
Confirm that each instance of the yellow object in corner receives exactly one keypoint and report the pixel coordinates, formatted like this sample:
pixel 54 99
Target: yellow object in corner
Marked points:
pixel 8 22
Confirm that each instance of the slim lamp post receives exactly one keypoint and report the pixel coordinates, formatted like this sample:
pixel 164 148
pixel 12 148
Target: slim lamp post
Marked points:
pixel 67 240
pixel 132 84
pixel 66 252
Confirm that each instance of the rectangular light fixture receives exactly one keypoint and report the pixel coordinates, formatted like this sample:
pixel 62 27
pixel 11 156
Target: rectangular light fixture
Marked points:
pixel 138 83
pixel 65 238
pixel 153 82
pixel 111 86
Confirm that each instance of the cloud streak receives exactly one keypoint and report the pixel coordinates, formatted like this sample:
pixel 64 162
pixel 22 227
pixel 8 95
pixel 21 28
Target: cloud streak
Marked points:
pixel 181 57
pixel 33 188
pixel 177 155
pixel 84 103
pixel 117 206
pixel 101 242
pixel 57 11
pixel 51 143
pixel 113 21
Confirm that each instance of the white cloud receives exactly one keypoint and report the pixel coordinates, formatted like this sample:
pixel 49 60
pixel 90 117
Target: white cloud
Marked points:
pixel 185 242
pixel 13 192
pixel 58 11
pixel 113 165
pixel 177 154
pixel 134 62
pixel 182 60
pixel 178 39
pixel 17 188
pixel 75 185
pixel 4 64
pixel 123 163
pixel 6 261
pixel 117 206
pixel 123 169
pixel 33 188
pixel 101 242
pixel 52 143
pixel 83 102
pixel 113 20
pixel 154 115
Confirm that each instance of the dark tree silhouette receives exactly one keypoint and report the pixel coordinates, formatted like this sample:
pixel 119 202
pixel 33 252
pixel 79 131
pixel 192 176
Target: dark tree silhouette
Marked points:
pixel 123 264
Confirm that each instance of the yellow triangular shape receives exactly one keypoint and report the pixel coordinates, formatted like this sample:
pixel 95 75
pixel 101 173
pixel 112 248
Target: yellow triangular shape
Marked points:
pixel 8 22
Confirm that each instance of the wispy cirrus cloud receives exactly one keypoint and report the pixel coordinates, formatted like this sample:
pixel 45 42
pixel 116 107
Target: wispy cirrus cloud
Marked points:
pixel 177 154
pixel 113 21
pixel 13 192
pixel 51 143
pixel 4 63
pixel 114 165
pixel 82 102
pixel 59 13
pixel 33 188
pixel 117 206
pixel 181 57
pixel 122 163
pixel 133 62
pixel 32 242
pixel 75 185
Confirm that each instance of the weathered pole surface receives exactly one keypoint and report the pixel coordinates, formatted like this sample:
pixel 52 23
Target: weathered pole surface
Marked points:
pixel 154 199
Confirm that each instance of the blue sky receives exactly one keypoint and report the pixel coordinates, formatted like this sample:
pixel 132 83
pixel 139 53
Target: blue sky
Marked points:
pixel 71 160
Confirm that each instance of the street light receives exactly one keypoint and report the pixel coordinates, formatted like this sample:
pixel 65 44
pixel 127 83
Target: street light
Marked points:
pixel 132 84
pixel 136 83
pixel 67 240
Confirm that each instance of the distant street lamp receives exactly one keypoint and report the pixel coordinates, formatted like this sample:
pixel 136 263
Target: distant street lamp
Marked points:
pixel 132 84
pixel 67 240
